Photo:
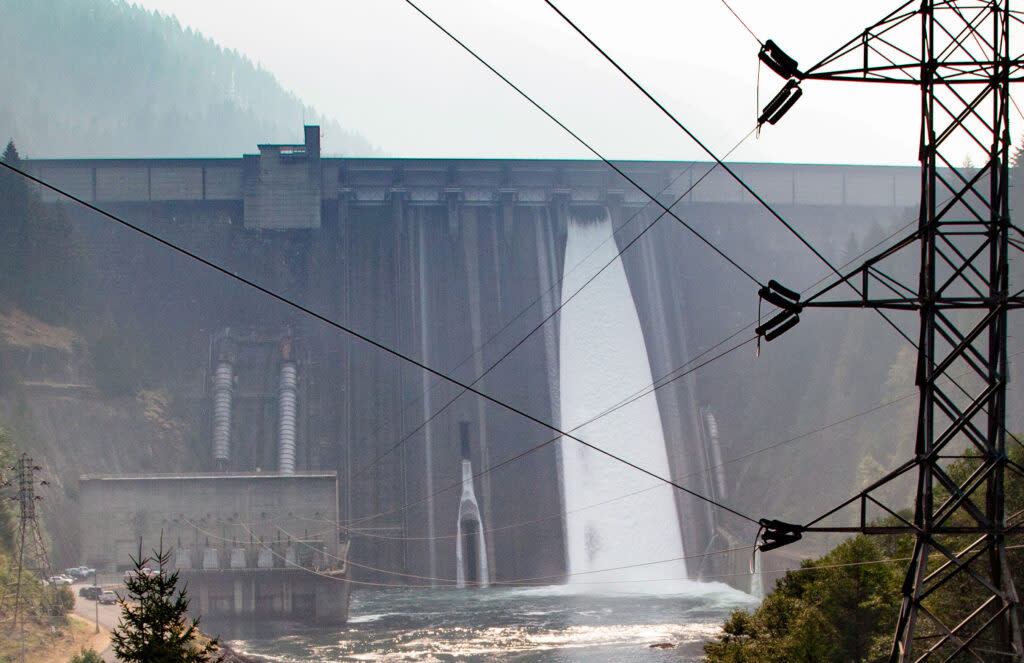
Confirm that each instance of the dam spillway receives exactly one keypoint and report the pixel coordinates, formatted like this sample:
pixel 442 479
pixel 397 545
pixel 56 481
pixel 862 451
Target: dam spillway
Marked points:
pixel 616 517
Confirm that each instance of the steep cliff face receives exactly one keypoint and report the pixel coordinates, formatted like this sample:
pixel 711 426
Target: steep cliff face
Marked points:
pixel 51 407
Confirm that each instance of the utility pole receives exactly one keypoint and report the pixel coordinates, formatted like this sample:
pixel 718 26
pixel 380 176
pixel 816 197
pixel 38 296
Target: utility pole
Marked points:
pixel 957 52
pixel 30 540
pixel 96 602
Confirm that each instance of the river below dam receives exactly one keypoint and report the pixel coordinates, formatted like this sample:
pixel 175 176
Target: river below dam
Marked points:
pixel 550 624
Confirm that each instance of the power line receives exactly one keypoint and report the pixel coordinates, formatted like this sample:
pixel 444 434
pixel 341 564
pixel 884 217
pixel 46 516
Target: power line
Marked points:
pixel 661 382
pixel 516 317
pixel 654 386
pixel 736 177
pixel 743 23
pixel 419 397
pixel 519 581
pixel 513 581
pixel 493 336
pixel 581 141
pixel 774 445
pixel 362 337
pixel 547 318
pixel 516 580
pixel 540 446
pixel 692 136
pixel 522 581
pixel 801 569
pixel 742 457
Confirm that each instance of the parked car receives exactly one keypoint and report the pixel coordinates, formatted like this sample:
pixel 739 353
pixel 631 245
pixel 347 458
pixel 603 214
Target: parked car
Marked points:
pixel 60 580
pixel 91 592
pixel 108 598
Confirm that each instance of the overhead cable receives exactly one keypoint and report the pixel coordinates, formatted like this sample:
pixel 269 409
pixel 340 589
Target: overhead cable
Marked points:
pixel 742 22
pixel 537 299
pixel 580 140
pixel 512 581
pixel 557 576
pixel 692 136
pixel 544 321
pixel 749 454
pixel 537 447
pixel 736 177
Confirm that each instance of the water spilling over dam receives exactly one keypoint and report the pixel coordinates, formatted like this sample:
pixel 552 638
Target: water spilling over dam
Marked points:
pixel 604 362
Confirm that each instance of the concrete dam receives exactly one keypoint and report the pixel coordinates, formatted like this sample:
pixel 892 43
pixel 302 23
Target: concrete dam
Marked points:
pixel 452 262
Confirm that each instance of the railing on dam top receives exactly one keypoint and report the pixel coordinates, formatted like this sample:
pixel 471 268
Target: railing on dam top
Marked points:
pixel 478 181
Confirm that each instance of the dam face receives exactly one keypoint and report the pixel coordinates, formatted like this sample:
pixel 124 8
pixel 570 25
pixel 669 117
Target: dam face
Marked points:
pixel 452 262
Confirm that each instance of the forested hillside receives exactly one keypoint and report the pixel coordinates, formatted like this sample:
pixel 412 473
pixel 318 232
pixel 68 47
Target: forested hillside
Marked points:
pixel 103 78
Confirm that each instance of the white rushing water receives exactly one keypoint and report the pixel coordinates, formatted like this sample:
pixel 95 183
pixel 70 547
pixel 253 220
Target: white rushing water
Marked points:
pixel 757 578
pixel 603 360
pixel 555 624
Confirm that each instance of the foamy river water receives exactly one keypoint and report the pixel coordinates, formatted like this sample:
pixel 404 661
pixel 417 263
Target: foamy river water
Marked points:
pixel 524 625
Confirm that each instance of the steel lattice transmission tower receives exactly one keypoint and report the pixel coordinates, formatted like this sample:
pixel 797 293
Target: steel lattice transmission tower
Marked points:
pixel 31 553
pixel 954 271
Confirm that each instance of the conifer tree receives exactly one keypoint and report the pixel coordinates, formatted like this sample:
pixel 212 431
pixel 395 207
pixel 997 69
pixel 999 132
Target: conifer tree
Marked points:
pixel 155 627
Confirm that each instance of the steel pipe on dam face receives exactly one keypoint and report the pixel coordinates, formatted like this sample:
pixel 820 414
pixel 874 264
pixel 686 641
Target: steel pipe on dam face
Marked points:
pixel 286 419
pixel 223 386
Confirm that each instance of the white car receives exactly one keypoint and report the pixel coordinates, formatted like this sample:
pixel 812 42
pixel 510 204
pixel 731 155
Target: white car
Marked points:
pixel 60 580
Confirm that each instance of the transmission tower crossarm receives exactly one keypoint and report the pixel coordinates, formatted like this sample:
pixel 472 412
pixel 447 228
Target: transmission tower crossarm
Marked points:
pixel 875 56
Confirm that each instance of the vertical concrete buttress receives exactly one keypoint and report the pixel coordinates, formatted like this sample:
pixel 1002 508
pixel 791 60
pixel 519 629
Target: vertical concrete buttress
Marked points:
pixel 471 250
pixel 428 411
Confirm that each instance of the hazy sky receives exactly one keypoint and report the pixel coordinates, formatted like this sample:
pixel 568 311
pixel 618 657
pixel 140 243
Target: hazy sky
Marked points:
pixel 381 69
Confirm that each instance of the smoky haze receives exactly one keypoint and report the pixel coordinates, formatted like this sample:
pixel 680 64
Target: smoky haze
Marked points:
pixel 427 207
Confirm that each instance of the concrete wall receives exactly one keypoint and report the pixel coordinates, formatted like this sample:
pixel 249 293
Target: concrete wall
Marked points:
pixel 281 593
pixel 283 187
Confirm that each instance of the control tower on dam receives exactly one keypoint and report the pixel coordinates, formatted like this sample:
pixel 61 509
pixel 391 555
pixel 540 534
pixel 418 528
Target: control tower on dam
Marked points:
pixel 452 262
